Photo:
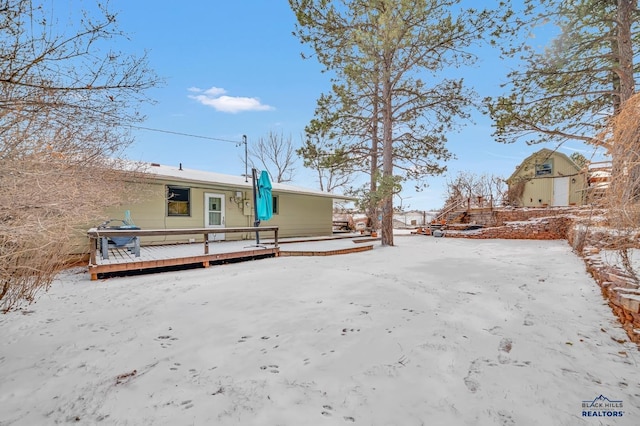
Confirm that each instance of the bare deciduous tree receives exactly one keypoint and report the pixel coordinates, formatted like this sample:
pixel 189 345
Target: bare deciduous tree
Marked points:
pixel 333 168
pixel 66 100
pixel 276 154
pixel 468 190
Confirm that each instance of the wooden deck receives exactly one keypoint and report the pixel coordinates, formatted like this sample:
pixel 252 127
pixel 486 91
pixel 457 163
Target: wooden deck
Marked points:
pixel 347 250
pixel 104 259
pixel 122 259
pixel 152 257
pixel 326 247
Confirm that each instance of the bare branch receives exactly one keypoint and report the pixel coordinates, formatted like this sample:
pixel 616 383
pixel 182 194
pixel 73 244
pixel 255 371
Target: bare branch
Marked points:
pixel 66 102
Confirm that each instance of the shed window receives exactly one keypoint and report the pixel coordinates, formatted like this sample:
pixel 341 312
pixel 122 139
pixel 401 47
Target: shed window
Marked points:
pixel 545 168
pixel 178 201
pixel 276 206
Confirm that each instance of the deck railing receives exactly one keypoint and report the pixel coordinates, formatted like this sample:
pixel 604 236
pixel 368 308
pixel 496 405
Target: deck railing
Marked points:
pixel 448 209
pixel 98 237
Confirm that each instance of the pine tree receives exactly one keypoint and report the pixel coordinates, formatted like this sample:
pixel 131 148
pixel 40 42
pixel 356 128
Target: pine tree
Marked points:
pixel 391 101
pixel 571 88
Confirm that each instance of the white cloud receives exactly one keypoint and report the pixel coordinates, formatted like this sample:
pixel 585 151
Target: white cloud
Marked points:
pixel 215 91
pixel 214 97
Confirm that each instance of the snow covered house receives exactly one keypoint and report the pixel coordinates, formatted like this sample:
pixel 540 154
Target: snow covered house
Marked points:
pixel 547 178
pixel 179 198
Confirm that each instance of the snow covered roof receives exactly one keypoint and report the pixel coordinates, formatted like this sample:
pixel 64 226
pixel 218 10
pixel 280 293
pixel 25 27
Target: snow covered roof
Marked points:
pixel 200 176
pixel 600 175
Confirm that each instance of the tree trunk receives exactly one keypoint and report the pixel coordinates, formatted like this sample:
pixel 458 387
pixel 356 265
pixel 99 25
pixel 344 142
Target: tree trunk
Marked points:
pixel 624 74
pixel 626 10
pixel 372 212
pixel 387 160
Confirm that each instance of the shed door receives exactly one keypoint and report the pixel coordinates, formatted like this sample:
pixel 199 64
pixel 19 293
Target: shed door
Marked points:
pixel 214 214
pixel 561 191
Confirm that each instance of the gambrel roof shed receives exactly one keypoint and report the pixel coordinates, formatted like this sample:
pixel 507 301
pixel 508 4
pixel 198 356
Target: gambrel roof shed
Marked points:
pixel 547 178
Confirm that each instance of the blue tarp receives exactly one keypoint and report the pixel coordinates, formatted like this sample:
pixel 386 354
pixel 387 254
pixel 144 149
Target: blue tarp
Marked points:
pixel 265 200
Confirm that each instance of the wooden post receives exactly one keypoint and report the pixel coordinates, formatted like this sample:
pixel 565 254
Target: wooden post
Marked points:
pixel 275 237
pixel 93 246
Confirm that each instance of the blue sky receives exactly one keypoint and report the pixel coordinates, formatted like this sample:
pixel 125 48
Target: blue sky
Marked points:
pixel 233 68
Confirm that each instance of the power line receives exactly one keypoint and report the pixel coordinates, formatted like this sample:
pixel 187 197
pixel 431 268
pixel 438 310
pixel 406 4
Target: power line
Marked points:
pixel 187 134
pixel 237 143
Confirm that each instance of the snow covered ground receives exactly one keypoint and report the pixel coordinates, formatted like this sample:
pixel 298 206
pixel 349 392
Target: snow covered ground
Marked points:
pixel 433 331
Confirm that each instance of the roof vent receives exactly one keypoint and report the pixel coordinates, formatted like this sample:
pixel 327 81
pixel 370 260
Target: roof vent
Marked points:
pixel 180 166
pixel 155 165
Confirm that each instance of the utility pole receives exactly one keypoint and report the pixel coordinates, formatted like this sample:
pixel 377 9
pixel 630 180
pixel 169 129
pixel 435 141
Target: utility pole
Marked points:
pixel 244 141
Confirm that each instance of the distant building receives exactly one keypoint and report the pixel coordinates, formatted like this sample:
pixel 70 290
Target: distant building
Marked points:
pixel 406 219
pixel 413 218
pixel 547 178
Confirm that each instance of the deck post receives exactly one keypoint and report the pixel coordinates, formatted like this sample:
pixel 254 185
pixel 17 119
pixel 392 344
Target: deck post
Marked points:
pixel 206 243
pixel 93 247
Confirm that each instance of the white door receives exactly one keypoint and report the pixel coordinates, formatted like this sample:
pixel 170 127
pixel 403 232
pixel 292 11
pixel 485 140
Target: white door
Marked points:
pixel 561 191
pixel 214 214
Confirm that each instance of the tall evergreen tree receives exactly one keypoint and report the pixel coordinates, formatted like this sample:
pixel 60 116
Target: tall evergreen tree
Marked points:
pixel 578 82
pixel 390 96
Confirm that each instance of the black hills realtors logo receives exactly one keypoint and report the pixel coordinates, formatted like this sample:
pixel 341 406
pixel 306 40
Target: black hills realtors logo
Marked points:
pixel 602 407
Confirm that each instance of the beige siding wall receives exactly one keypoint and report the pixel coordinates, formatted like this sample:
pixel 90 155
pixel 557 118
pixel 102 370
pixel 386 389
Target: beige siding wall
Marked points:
pixel 298 214
pixel 302 215
pixel 538 192
pixel 577 194
pixel 562 167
